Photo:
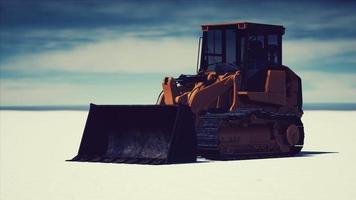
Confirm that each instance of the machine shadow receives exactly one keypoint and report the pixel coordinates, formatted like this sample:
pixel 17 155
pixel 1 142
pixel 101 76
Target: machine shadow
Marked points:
pixel 201 160
pixel 301 154
pixel 313 153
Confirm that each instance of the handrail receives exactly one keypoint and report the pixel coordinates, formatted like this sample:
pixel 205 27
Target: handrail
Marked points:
pixel 200 38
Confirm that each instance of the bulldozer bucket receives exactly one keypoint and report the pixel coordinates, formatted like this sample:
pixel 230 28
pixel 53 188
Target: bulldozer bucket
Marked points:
pixel 141 134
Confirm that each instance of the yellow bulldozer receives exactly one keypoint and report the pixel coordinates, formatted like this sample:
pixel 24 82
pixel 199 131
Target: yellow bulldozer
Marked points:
pixel 241 103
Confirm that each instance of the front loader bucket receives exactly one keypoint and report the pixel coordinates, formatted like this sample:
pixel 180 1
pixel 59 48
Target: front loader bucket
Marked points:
pixel 142 134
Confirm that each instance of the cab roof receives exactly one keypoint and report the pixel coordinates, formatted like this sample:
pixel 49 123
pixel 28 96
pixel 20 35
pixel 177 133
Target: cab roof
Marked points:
pixel 247 26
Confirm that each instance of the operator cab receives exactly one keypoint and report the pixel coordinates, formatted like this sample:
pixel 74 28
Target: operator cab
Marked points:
pixel 248 47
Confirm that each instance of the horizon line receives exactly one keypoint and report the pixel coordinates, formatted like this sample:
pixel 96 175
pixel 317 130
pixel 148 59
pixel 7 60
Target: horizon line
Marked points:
pixel 306 106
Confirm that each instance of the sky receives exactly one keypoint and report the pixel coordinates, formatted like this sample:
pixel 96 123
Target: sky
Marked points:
pixel 118 52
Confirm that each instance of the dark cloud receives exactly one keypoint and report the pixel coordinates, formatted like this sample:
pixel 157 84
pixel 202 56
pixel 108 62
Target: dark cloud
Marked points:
pixel 39 26
pixel 299 16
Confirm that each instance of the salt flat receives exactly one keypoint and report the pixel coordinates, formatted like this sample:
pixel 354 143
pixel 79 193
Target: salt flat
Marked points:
pixel 34 145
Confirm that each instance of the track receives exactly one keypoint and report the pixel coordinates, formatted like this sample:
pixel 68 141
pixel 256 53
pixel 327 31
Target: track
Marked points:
pixel 210 124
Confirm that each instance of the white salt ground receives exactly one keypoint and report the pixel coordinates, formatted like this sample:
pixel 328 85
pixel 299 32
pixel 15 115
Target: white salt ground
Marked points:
pixel 34 145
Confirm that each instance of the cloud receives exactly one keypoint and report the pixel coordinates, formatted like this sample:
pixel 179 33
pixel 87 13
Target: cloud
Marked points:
pixel 91 72
pixel 137 54
pixel 130 54
pixel 40 26
pixel 321 54
pixel 328 88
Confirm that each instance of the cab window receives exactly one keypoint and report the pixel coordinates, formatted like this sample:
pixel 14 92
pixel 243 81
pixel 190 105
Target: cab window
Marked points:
pixel 231 46
pixel 273 50
pixel 255 52
pixel 214 47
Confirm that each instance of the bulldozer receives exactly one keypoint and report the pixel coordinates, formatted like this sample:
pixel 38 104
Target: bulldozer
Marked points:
pixel 241 103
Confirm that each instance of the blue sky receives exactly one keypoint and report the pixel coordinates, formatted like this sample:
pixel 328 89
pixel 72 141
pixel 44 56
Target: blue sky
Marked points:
pixel 117 52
